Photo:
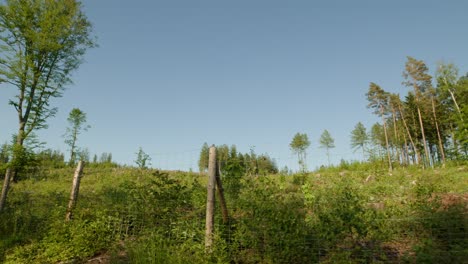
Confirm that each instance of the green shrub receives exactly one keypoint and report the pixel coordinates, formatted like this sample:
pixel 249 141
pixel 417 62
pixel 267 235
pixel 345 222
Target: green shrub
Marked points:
pixel 65 241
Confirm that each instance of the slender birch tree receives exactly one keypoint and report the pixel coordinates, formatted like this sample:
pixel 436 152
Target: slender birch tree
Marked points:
pixel 42 43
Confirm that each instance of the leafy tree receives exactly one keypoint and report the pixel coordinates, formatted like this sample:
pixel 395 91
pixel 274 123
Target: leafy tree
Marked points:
pixel 299 145
pixel 447 77
pixel 42 43
pixel 359 138
pixel 143 160
pixel 453 95
pixel 77 123
pixel 327 142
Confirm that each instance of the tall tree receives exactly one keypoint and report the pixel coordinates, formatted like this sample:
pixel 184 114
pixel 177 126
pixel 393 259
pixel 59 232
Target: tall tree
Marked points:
pixel 77 123
pixel 417 77
pixel 42 43
pixel 299 145
pixel 398 103
pixel 327 142
pixel 432 93
pixel 447 76
pixel 359 138
pixel 378 99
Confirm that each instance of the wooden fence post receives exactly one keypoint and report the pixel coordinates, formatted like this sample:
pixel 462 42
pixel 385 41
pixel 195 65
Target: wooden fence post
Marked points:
pixel 210 199
pixel 74 191
pixel 6 186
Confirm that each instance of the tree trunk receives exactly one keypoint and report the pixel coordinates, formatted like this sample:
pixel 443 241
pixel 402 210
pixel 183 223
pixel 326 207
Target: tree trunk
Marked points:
pixel 441 147
pixel 454 141
pixel 426 150
pixel 418 156
pixel 454 101
pixel 396 137
pixel 6 187
pixel 72 151
pixel 390 167
pixel 75 190
pixel 405 151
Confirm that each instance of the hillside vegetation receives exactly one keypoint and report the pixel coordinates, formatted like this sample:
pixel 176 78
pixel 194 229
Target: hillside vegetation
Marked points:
pixel 352 213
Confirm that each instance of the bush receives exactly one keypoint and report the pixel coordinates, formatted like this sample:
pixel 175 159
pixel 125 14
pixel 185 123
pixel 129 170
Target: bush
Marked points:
pixel 65 241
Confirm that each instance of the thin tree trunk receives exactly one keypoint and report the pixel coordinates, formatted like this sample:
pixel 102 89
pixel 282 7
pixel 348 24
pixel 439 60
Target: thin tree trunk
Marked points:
pixel 405 150
pixel 396 138
pixel 6 187
pixel 456 104
pixel 390 167
pixel 441 147
pixel 453 99
pixel 426 150
pixel 19 142
pixel 454 140
pixel 409 135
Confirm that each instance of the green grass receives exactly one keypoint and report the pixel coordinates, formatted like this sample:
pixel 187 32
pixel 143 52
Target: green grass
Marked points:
pixel 354 213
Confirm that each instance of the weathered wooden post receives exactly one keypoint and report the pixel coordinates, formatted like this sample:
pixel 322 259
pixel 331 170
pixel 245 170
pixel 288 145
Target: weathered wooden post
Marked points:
pixel 6 185
pixel 210 199
pixel 74 191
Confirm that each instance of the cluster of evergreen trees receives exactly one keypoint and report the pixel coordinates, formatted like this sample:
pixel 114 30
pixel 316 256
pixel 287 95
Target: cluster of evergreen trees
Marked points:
pixel 426 127
pixel 247 163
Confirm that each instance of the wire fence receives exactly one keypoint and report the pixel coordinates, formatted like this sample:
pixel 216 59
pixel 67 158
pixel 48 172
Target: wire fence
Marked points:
pixel 273 219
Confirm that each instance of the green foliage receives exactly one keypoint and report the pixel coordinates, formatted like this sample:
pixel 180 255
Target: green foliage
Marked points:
pixel 66 241
pixel 327 142
pixel 343 215
pixel 359 138
pixel 299 145
pixel 42 43
pixel 272 227
pixel 232 173
pixel 204 157
pixel 77 123
pixel 143 160
pixel 158 217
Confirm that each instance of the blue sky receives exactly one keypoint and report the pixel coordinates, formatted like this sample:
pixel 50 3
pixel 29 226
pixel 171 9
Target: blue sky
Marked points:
pixel 171 75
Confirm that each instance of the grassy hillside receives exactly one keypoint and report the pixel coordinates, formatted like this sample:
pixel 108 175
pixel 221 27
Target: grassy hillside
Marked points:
pixel 355 213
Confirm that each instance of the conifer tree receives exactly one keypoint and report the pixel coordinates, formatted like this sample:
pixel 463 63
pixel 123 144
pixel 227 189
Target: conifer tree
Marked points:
pixel 359 138
pixel 378 99
pixel 417 77
pixel 299 145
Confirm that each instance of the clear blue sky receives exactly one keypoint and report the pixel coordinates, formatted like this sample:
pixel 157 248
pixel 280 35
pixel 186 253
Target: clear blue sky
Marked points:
pixel 169 76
